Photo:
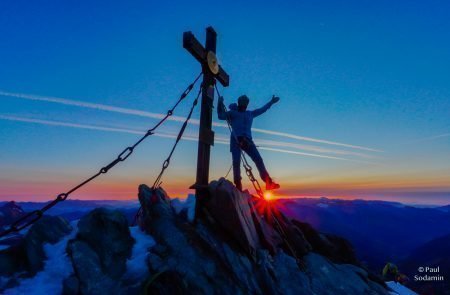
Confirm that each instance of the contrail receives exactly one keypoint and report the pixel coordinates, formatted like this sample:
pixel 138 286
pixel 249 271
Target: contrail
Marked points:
pixel 429 138
pixel 310 148
pixel 221 140
pixel 301 153
pixel 172 118
pixel 293 136
pixel 314 155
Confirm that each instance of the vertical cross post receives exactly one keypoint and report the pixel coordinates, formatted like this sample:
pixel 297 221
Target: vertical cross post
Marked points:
pixel 206 135
pixel 211 71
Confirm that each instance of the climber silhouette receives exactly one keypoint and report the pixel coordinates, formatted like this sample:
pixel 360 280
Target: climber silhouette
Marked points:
pixel 241 121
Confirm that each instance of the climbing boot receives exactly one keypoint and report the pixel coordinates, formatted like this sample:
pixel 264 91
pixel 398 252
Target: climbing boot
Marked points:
pixel 271 185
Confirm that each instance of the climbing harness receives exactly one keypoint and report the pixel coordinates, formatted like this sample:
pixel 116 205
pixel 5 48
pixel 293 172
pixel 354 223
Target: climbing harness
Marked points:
pixel 247 167
pixel 257 187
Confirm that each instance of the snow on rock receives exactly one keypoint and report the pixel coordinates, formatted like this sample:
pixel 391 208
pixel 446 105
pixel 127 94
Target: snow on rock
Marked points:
pixel 186 206
pixel 99 253
pixel 136 265
pixel 177 205
pixel 229 249
pixel 56 268
pixel 399 289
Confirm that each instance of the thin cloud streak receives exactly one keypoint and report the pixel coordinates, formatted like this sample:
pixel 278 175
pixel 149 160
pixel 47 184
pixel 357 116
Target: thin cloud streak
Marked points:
pixel 172 118
pixel 430 138
pixel 220 140
pixel 315 155
pixel 311 148
pixel 293 136
pixel 301 153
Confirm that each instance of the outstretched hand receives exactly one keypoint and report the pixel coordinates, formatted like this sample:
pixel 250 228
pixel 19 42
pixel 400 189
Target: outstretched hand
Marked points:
pixel 275 99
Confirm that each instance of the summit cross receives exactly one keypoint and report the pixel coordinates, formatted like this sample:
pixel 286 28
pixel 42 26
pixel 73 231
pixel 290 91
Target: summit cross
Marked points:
pixel 212 71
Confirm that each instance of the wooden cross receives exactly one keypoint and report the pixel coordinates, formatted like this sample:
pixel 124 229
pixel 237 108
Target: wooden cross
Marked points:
pixel 211 71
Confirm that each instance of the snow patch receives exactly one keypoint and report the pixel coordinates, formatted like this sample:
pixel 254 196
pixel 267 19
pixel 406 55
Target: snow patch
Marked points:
pixel 137 265
pixel 57 267
pixel 399 289
pixel 188 204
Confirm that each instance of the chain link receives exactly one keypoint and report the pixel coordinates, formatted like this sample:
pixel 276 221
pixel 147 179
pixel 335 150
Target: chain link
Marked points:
pixel 166 163
pixel 247 167
pixel 31 217
pixel 259 191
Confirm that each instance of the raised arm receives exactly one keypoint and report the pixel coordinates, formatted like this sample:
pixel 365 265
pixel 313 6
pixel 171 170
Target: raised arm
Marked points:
pixel 267 106
pixel 221 111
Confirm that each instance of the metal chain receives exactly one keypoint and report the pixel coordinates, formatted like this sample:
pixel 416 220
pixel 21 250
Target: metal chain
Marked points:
pixel 247 167
pixel 257 186
pixel 31 217
pixel 228 172
pixel 166 163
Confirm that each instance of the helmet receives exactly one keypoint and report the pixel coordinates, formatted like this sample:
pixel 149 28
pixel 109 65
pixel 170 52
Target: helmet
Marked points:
pixel 243 101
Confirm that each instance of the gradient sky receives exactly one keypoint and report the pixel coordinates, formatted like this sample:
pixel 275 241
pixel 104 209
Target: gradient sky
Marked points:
pixel 364 87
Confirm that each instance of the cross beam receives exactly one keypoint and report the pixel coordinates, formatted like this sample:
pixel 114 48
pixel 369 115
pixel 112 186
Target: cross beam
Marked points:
pixel 206 135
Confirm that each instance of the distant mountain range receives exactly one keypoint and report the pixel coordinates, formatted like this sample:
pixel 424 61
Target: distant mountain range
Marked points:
pixel 434 254
pixel 383 232
pixel 380 231
pixel 71 209
pixel 9 212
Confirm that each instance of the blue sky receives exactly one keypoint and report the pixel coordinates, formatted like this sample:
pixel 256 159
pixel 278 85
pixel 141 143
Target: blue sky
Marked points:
pixel 364 73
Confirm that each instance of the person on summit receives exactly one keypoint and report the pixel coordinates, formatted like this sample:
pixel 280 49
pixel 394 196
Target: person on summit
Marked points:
pixel 241 121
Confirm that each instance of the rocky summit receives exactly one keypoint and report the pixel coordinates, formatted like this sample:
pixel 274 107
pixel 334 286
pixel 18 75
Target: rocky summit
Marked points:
pixel 241 244
pixel 237 244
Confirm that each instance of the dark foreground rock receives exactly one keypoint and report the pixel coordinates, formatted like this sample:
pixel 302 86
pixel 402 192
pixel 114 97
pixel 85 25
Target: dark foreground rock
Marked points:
pixel 99 253
pixel 238 244
pixel 241 245
pixel 26 257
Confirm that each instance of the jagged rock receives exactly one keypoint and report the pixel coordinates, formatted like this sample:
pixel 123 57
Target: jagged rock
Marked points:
pixel 71 286
pixel 294 240
pixel 13 260
pixel 100 250
pixel 233 214
pixel 198 264
pixel 234 249
pixel 89 271
pixel 49 229
pixel 335 248
pixel 186 210
pixel 107 233
pixel 28 255
pixel 329 278
pixel 10 212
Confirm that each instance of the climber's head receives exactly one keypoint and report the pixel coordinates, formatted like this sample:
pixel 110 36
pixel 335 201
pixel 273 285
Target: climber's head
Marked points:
pixel 243 101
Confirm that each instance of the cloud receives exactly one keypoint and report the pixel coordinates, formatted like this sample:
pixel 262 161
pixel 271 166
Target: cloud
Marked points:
pixel 134 112
pixel 430 138
pixel 221 139
pixel 293 136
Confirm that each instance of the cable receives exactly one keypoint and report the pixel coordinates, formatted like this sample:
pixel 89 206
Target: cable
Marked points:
pixel 33 216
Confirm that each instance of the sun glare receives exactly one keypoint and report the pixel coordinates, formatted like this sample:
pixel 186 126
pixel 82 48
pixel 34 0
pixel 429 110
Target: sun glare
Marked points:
pixel 268 196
